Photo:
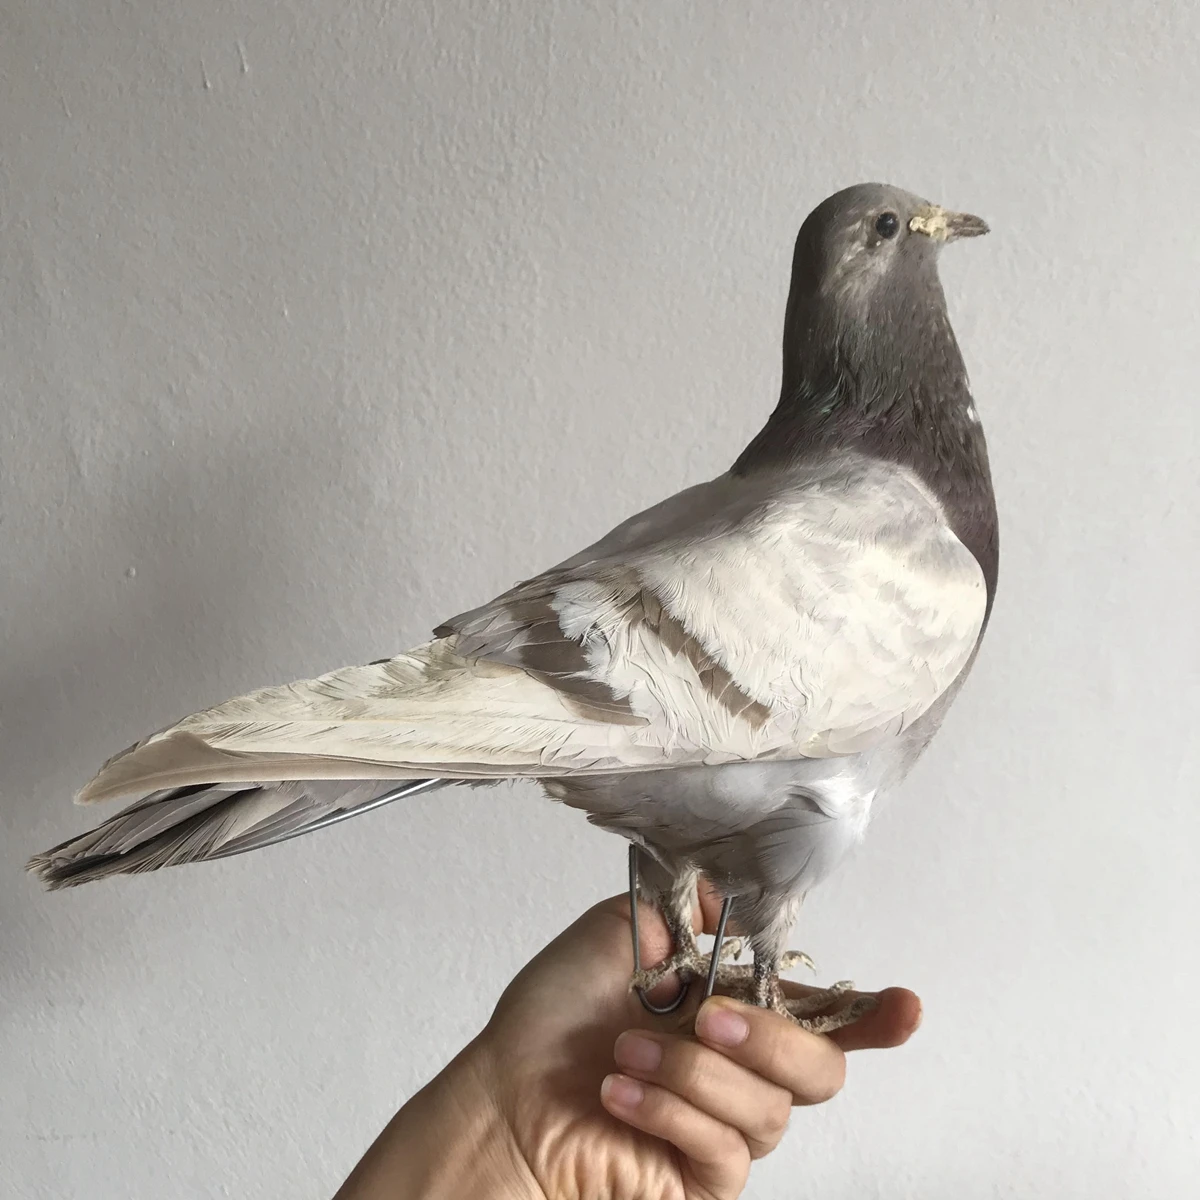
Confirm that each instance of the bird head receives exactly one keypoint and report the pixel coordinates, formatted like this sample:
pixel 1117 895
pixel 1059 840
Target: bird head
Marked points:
pixel 865 261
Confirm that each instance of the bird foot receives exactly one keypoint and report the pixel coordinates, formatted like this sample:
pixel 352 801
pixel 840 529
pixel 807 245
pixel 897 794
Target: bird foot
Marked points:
pixel 737 979
pixel 807 1012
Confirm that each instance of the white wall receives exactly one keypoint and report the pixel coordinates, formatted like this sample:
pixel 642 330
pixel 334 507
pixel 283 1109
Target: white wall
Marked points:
pixel 323 320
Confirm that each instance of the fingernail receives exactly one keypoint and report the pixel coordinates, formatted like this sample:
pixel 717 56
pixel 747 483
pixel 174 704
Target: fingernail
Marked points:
pixel 719 1024
pixel 637 1053
pixel 621 1091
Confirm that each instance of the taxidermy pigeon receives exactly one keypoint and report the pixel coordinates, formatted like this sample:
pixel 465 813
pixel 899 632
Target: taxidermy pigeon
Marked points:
pixel 729 679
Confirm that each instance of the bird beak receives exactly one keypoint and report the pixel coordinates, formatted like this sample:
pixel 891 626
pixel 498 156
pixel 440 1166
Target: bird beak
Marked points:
pixel 935 222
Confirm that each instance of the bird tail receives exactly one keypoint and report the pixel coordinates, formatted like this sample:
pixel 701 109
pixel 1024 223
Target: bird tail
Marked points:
pixel 189 824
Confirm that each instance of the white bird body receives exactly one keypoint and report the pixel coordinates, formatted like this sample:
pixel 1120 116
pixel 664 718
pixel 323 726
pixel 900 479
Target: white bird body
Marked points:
pixel 750 659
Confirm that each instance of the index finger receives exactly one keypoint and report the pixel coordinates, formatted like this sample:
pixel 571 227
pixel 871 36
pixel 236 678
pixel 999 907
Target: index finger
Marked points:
pixel 808 1065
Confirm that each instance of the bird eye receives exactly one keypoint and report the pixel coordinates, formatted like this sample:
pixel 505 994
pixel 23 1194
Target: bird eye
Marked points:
pixel 887 224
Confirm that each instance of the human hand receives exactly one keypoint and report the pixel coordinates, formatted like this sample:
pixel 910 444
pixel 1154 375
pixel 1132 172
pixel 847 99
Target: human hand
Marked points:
pixel 560 1095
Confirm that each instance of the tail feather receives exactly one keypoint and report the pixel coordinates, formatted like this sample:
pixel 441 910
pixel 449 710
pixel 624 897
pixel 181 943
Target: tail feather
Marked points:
pixel 188 824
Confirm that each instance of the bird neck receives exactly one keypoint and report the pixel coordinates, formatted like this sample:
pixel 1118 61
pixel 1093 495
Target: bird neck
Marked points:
pixel 895 388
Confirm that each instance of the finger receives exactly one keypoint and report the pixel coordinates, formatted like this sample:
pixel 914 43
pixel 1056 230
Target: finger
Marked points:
pixel 891 1024
pixel 811 1067
pixel 717 1155
pixel 757 1108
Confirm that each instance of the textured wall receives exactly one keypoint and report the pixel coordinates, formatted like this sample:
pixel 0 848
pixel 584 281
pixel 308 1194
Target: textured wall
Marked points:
pixel 325 319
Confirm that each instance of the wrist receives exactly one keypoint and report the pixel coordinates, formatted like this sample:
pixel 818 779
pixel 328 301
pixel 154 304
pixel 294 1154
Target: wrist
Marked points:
pixel 449 1141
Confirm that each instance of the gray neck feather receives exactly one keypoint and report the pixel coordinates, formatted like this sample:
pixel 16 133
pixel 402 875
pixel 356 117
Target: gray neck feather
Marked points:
pixel 890 383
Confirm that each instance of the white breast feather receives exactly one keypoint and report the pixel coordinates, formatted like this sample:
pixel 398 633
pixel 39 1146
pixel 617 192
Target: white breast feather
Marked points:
pixel 847 611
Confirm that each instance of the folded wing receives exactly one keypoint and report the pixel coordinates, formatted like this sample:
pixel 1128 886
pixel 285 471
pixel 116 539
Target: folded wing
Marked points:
pixel 805 616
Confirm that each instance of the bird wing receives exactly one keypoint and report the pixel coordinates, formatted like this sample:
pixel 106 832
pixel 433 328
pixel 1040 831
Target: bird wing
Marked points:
pixel 779 616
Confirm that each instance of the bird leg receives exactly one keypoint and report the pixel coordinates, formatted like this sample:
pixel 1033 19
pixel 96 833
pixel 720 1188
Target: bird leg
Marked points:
pixel 674 897
pixel 689 963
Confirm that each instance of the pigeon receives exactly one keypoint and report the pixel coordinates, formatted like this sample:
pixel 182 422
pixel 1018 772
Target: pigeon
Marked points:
pixel 730 680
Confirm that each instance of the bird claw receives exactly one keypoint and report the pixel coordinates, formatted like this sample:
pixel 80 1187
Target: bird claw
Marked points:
pixel 796 958
pixel 733 947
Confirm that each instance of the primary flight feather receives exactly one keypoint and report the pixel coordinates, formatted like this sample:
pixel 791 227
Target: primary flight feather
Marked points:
pixel 728 679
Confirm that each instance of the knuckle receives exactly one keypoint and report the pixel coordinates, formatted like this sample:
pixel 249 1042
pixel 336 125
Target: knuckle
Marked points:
pixel 774 1037
pixel 761 1147
pixel 771 1126
pixel 688 1069
pixel 729 1145
pixel 830 1082
pixel 776 1116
